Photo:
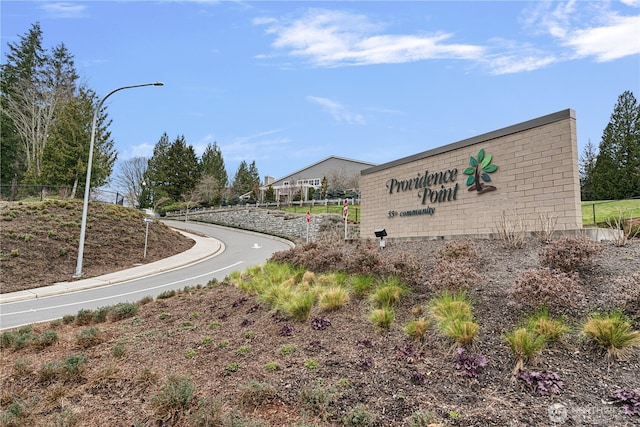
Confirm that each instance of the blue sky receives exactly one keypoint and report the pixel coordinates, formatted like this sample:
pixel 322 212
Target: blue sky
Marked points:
pixel 290 83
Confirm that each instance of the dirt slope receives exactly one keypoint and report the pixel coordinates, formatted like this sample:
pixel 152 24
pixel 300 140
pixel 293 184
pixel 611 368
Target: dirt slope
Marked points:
pixel 218 339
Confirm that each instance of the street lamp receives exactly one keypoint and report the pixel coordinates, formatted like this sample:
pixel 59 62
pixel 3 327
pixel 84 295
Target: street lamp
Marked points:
pixel 85 205
pixel 142 199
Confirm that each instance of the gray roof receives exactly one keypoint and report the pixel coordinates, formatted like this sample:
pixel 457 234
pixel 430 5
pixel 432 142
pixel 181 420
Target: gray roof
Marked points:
pixel 325 166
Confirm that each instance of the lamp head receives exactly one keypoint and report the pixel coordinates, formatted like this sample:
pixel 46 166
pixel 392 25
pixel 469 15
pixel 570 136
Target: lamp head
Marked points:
pixel 158 84
pixel 380 233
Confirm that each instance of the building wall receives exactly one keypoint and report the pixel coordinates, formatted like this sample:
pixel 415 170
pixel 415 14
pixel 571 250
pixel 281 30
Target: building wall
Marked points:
pixel 537 177
pixel 325 167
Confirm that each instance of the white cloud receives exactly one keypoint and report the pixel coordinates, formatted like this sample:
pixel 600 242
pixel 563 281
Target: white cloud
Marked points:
pixel 618 39
pixel 513 57
pixel 590 29
pixel 330 38
pixel 338 111
pixel 141 150
pixel 262 145
pixel 334 38
pixel 64 9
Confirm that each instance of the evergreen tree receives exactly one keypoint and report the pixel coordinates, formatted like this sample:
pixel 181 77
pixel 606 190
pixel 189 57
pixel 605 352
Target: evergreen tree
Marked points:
pixel 254 176
pixel 213 183
pixel 34 84
pixel 246 180
pixel 270 194
pixel 66 154
pixel 22 62
pixel 616 174
pixel 324 187
pixel 158 169
pixel 587 163
pixel 173 169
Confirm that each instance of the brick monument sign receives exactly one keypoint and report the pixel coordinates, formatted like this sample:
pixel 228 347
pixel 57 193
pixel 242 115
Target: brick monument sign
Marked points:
pixel 525 173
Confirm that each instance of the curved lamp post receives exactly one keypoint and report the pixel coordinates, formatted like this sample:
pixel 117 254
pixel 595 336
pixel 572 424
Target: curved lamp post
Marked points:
pixel 83 226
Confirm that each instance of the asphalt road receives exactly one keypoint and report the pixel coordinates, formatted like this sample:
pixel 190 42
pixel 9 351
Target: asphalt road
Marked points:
pixel 239 250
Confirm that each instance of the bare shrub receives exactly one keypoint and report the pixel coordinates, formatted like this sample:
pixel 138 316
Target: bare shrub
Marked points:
pixel 463 249
pixel 621 235
pixel 511 230
pixel 555 290
pixel 569 253
pixel 453 276
pixel 546 227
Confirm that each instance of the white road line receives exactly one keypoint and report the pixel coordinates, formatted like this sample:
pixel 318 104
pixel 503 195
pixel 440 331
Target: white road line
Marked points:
pixel 123 294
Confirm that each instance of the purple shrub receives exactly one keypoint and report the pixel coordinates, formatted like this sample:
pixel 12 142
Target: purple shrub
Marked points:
pixel 418 379
pixel 239 302
pixel 544 383
pixel 286 331
pixel 469 365
pixel 247 322
pixel 320 323
pixel 628 399
pixel 408 353
pixel 253 309
pixel 367 342
pixel 366 363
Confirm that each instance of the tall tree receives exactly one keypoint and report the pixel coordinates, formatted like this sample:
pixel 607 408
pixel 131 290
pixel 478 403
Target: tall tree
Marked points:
pixel 23 59
pixel 254 176
pixel 173 169
pixel 213 184
pixel 241 180
pixel 130 181
pixel 36 83
pixel 616 174
pixel 587 163
pixel 67 152
pixel 158 169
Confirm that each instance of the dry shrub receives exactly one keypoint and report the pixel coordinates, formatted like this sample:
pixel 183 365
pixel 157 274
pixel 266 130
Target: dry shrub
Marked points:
pixel 623 229
pixel 511 230
pixel 555 290
pixel 546 227
pixel 363 257
pixel 453 275
pixel 463 250
pixel 569 253
pixel 626 295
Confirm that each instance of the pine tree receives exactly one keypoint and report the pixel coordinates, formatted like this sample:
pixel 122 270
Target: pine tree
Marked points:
pixel 22 63
pixel 66 154
pixel 173 169
pixel 587 163
pixel 616 174
pixel 254 177
pixel 213 184
pixel 34 84
pixel 246 180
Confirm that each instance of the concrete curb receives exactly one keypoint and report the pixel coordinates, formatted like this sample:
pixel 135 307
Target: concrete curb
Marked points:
pixel 204 247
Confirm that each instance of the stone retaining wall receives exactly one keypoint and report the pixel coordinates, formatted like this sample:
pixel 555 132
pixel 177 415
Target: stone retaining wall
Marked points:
pixel 273 222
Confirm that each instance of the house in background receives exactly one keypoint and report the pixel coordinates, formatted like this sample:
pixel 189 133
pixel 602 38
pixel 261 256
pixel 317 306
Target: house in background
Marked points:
pixel 297 185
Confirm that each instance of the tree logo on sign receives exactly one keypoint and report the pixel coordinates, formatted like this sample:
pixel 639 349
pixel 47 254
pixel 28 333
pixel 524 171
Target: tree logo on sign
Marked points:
pixel 479 171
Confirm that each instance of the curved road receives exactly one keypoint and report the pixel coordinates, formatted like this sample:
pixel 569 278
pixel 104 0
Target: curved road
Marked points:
pixel 240 249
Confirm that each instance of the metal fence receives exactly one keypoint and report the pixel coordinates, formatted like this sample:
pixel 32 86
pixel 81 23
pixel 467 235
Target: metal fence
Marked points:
pixel 600 211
